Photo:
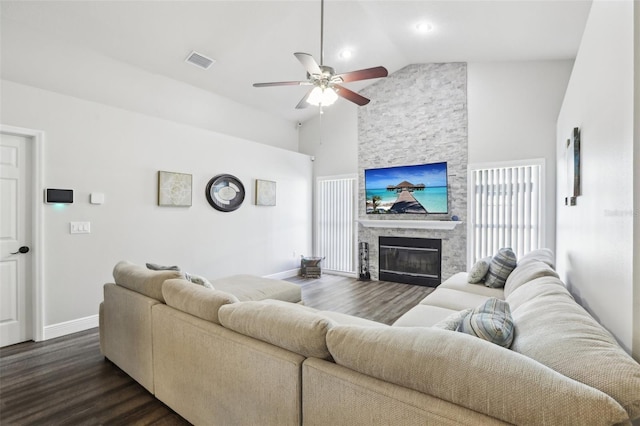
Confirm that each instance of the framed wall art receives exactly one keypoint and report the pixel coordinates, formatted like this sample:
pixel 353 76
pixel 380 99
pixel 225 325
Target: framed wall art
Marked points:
pixel 225 193
pixel 174 189
pixel 572 162
pixel 265 193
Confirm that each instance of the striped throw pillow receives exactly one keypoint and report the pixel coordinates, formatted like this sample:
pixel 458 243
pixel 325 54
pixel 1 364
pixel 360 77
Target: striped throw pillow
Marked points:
pixel 500 267
pixel 490 321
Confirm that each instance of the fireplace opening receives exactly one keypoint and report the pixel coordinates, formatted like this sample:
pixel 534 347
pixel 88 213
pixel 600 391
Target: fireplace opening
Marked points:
pixel 410 260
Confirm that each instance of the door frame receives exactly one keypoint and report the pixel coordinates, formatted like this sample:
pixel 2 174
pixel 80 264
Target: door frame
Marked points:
pixel 36 138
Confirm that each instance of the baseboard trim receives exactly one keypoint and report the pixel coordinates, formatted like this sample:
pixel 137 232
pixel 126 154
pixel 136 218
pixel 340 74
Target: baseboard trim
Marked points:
pixel 69 327
pixel 284 274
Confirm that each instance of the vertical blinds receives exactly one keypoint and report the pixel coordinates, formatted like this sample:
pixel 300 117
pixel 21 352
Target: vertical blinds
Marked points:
pixel 506 209
pixel 335 221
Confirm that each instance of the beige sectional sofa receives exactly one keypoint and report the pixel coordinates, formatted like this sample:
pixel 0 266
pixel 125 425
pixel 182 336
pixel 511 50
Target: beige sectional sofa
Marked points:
pixel 216 358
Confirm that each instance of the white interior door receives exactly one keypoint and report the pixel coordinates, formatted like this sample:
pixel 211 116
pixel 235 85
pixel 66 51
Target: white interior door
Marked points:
pixel 15 232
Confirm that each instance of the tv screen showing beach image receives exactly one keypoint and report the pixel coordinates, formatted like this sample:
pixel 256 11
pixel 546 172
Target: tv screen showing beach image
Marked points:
pixel 420 189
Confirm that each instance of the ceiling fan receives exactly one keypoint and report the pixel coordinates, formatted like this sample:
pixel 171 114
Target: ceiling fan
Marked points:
pixel 327 85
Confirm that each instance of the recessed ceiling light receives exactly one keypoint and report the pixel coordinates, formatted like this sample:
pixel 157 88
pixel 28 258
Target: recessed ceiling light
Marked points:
pixel 346 54
pixel 424 27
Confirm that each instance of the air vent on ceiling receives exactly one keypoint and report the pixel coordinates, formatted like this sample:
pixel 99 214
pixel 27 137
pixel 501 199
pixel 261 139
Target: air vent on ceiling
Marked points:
pixel 199 60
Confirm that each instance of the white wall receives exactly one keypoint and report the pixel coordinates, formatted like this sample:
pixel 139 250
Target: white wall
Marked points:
pixel 636 189
pixel 595 246
pixel 513 107
pixel 33 59
pixel 332 138
pixel 92 147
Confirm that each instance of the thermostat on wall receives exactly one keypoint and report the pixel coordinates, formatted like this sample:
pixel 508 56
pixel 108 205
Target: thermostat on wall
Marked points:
pixel 58 196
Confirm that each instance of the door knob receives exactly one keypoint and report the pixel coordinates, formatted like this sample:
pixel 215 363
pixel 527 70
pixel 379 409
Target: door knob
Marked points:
pixel 22 250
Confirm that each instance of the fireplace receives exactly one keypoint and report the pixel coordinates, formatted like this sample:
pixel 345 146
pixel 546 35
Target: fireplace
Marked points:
pixel 410 260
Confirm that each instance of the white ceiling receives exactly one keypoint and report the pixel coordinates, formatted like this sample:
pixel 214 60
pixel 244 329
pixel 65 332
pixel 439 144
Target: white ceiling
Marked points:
pixel 254 41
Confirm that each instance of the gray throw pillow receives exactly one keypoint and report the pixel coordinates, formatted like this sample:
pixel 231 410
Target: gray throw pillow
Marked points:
pixel 452 322
pixel 156 267
pixel 490 321
pixel 197 279
pixel 479 270
pixel 500 267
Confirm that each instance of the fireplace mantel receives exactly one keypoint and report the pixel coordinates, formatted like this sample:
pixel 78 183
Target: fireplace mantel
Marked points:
pixel 409 224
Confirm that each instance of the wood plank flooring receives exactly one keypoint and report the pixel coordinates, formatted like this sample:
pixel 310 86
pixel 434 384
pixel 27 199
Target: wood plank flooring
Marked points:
pixel 66 381
pixel 379 301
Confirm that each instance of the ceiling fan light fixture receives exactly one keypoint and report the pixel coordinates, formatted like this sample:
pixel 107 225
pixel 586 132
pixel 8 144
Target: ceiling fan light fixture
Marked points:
pixel 322 96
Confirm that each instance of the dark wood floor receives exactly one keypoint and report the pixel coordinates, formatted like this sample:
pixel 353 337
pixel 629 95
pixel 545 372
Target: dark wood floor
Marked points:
pixel 66 381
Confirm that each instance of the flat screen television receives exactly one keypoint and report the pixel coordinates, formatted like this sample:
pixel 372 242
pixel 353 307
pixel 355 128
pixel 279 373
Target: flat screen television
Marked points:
pixel 419 189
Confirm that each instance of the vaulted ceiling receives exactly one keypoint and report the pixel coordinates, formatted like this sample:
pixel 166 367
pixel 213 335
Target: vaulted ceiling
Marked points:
pixel 254 41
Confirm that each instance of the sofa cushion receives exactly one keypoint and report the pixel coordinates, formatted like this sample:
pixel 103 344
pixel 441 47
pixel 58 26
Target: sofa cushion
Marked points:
pixel 473 373
pixel 454 299
pixel 490 321
pixel 251 287
pixel 195 300
pixel 500 267
pixel 544 255
pixel 537 287
pixel 287 325
pixel 453 321
pixel 460 282
pixel 525 272
pixel 479 270
pixel 423 316
pixel 557 332
pixel 345 319
pixel 142 280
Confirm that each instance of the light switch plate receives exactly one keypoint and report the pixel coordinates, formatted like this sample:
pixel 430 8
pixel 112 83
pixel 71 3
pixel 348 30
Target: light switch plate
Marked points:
pixel 79 227
pixel 96 198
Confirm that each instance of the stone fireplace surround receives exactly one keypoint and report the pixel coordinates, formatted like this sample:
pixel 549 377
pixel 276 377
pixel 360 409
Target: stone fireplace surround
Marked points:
pixel 417 115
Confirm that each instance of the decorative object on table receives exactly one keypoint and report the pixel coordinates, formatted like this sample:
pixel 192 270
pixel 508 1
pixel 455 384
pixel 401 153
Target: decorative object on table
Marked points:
pixel 363 261
pixel 174 189
pixel 310 266
pixel 572 161
pixel 225 192
pixel 265 193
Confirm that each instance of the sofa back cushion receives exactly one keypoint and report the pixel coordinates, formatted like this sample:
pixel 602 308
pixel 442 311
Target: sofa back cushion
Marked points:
pixel 142 280
pixel 526 272
pixel 541 255
pixel 557 332
pixel 287 325
pixel 472 373
pixel 196 300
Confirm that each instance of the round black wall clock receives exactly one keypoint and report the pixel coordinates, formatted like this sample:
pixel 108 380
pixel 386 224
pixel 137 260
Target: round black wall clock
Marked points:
pixel 225 193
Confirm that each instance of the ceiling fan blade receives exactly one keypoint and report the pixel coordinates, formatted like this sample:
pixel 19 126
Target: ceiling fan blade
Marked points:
pixel 365 74
pixel 350 95
pixel 303 102
pixel 282 83
pixel 308 63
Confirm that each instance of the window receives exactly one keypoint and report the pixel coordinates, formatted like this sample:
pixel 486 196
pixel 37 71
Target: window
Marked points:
pixel 505 208
pixel 335 222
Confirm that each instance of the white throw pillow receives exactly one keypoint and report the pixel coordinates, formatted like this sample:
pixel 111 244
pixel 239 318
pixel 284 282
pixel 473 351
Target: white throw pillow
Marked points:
pixel 479 270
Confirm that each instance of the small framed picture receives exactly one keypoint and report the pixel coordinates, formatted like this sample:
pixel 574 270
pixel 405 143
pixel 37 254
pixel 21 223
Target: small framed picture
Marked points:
pixel 174 189
pixel 265 193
